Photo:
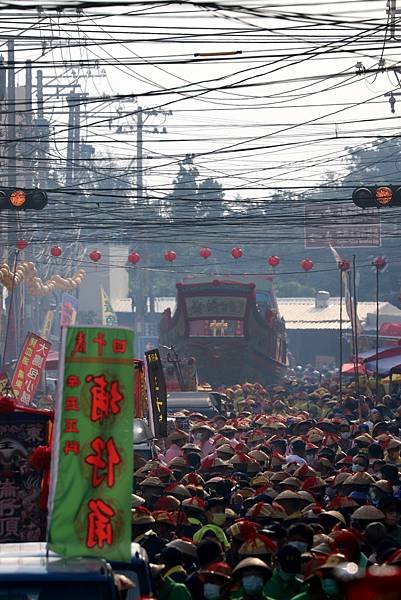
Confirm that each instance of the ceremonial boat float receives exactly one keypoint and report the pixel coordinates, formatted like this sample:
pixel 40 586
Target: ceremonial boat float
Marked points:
pixel 232 329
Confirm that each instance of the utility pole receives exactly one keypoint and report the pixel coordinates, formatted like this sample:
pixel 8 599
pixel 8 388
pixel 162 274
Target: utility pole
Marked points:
pixel 11 117
pixel 392 11
pixel 42 134
pixel 143 283
pixel 140 293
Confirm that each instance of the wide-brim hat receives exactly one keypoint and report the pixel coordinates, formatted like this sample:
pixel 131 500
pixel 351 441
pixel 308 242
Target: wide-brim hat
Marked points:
pixel 251 563
pixel 368 513
pixel 177 434
pixel 137 500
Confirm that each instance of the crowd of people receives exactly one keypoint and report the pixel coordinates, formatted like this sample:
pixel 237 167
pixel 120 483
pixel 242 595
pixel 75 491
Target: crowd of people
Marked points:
pixel 290 495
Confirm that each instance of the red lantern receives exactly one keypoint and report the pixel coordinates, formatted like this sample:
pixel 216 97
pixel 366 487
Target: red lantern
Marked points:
pixel 205 253
pixel 379 262
pixel 21 244
pixel 133 257
pixel 236 253
pixel 170 255
pixel 307 264
pixel 344 264
pixel 273 261
pixel 56 251
pixel 95 255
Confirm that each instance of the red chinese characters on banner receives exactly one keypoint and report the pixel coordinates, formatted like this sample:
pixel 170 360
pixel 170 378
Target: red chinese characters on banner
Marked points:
pixel 100 528
pixel 29 368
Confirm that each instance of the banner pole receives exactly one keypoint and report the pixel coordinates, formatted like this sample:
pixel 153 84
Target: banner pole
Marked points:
pixel 9 312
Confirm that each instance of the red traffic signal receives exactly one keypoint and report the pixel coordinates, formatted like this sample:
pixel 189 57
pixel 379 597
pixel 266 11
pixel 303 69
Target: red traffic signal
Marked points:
pixel 377 196
pixel 22 199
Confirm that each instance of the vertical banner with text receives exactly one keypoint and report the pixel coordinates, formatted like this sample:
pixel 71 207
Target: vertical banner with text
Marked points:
pixel 47 324
pixel 108 315
pixel 157 392
pixel 28 370
pixel 91 473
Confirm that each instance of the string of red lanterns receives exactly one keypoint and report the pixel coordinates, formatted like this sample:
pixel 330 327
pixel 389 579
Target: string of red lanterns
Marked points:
pixel 307 264
pixel 379 262
pixel 21 244
pixel 170 255
pixel 273 261
pixel 56 251
pixel 134 257
pixel 205 252
pixel 236 252
pixel 95 255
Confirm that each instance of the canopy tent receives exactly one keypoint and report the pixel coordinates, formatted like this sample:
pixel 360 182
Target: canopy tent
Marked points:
pixel 349 369
pixel 383 352
pixel 386 366
pixel 391 329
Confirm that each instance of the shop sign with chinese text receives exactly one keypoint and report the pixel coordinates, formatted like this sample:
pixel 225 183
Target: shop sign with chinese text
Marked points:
pixel 29 367
pixel 157 392
pixel 91 474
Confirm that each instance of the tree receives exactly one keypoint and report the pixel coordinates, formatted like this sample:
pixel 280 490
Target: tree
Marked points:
pixel 210 199
pixel 182 199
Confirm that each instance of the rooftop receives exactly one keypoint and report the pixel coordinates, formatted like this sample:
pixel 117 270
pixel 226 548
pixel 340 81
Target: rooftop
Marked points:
pixel 302 313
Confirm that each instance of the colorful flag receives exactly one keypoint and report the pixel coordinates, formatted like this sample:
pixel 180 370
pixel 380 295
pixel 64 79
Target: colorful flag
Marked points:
pixel 349 306
pixel 108 314
pixel 157 392
pixel 92 466
pixel 69 310
pixel 28 370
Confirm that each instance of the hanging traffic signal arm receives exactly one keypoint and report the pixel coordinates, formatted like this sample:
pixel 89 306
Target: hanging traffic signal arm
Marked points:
pixel 377 196
pixel 22 199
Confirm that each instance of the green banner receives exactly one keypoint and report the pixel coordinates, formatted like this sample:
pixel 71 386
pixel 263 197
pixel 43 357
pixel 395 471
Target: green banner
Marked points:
pixel 92 465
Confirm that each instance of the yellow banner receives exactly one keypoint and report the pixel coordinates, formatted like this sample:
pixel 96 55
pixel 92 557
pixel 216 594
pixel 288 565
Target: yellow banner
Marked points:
pixel 47 325
pixel 108 314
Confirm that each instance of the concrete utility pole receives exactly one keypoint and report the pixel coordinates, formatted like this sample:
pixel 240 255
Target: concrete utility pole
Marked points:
pixel 392 11
pixel 143 282
pixel 11 117
pixel 139 294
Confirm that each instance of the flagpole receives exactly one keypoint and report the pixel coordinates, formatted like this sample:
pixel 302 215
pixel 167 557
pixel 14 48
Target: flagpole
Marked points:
pixel 355 319
pixel 377 334
pixel 9 312
pixel 341 334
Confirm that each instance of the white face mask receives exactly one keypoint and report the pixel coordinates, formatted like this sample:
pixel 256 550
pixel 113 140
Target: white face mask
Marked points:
pixel 357 468
pixel 345 435
pixel 198 437
pixel 252 584
pixel 211 591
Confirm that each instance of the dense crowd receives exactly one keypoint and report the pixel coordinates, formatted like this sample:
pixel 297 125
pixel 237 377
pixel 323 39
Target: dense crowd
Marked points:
pixel 289 495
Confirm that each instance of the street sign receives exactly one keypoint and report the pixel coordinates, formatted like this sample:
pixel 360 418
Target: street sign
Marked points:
pixel 341 225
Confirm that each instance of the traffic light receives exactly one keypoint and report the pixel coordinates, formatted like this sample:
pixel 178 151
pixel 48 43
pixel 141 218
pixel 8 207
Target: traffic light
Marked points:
pixel 22 199
pixel 377 196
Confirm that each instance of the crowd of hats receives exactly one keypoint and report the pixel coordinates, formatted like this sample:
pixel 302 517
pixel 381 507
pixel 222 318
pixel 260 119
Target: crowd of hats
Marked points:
pixel 293 474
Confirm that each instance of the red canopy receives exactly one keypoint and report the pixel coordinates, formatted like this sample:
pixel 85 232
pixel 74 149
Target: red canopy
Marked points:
pixel 391 329
pixel 349 369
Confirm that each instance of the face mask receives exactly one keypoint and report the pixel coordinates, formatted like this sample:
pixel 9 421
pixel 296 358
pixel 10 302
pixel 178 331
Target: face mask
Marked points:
pixel 379 475
pixel 252 584
pixel 357 468
pixel 211 591
pixel 330 587
pixel 286 576
pixel 345 435
pixel 302 546
pixel 198 437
